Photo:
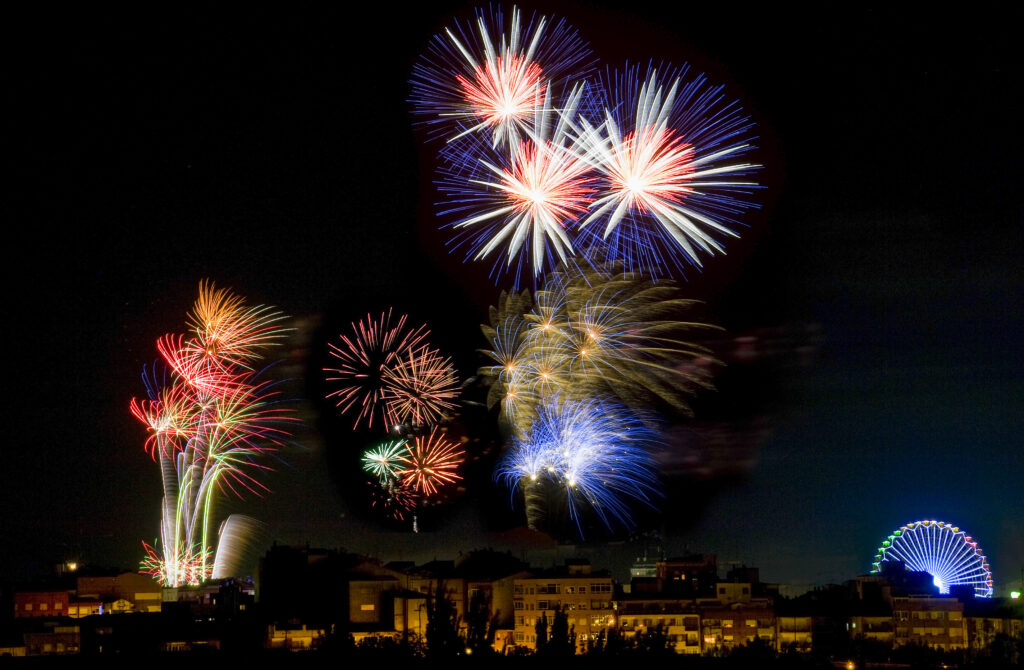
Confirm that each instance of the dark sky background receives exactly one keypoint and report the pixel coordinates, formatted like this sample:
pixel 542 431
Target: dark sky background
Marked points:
pixel 874 309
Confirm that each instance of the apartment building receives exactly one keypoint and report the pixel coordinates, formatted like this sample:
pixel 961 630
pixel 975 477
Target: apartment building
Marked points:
pixel 936 622
pixel 585 595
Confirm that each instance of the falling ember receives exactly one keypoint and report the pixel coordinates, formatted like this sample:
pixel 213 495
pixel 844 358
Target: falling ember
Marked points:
pixel 420 387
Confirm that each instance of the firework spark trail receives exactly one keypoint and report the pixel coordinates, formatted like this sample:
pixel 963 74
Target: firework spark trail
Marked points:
pixel 672 177
pixel 481 78
pixel 209 422
pixel 597 452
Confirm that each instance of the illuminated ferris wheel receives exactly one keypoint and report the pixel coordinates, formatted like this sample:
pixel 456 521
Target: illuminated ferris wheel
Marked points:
pixel 947 553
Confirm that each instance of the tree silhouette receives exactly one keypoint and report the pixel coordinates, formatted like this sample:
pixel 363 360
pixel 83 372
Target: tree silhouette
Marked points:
pixel 442 632
pixel 562 641
pixel 480 624
pixel 541 628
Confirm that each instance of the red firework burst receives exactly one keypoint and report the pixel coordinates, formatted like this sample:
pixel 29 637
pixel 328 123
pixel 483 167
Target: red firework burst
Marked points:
pixel 505 91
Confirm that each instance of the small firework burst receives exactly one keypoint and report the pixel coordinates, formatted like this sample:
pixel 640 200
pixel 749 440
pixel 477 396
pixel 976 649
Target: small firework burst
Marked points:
pixel 395 499
pixel 430 463
pixel 420 387
pixel 384 460
pixel 361 362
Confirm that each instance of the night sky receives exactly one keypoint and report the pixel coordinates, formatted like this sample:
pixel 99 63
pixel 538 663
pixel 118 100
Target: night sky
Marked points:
pixel 879 287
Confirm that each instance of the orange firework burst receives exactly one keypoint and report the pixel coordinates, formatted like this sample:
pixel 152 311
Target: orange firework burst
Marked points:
pixel 430 463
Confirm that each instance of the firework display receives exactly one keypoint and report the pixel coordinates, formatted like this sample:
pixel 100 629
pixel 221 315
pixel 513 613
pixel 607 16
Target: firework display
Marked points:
pixel 491 75
pixel 951 556
pixel 209 421
pixel 588 334
pixel 672 174
pixel 597 452
pixel 407 472
pixel 644 167
pixel 590 340
pixel 430 463
pixel 387 374
pixel 524 200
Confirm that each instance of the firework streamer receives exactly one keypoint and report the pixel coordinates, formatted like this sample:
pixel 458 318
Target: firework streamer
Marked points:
pixel 209 421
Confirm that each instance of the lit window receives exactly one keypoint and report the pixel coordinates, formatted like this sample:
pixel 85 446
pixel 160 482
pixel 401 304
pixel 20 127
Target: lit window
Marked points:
pixel 368 608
